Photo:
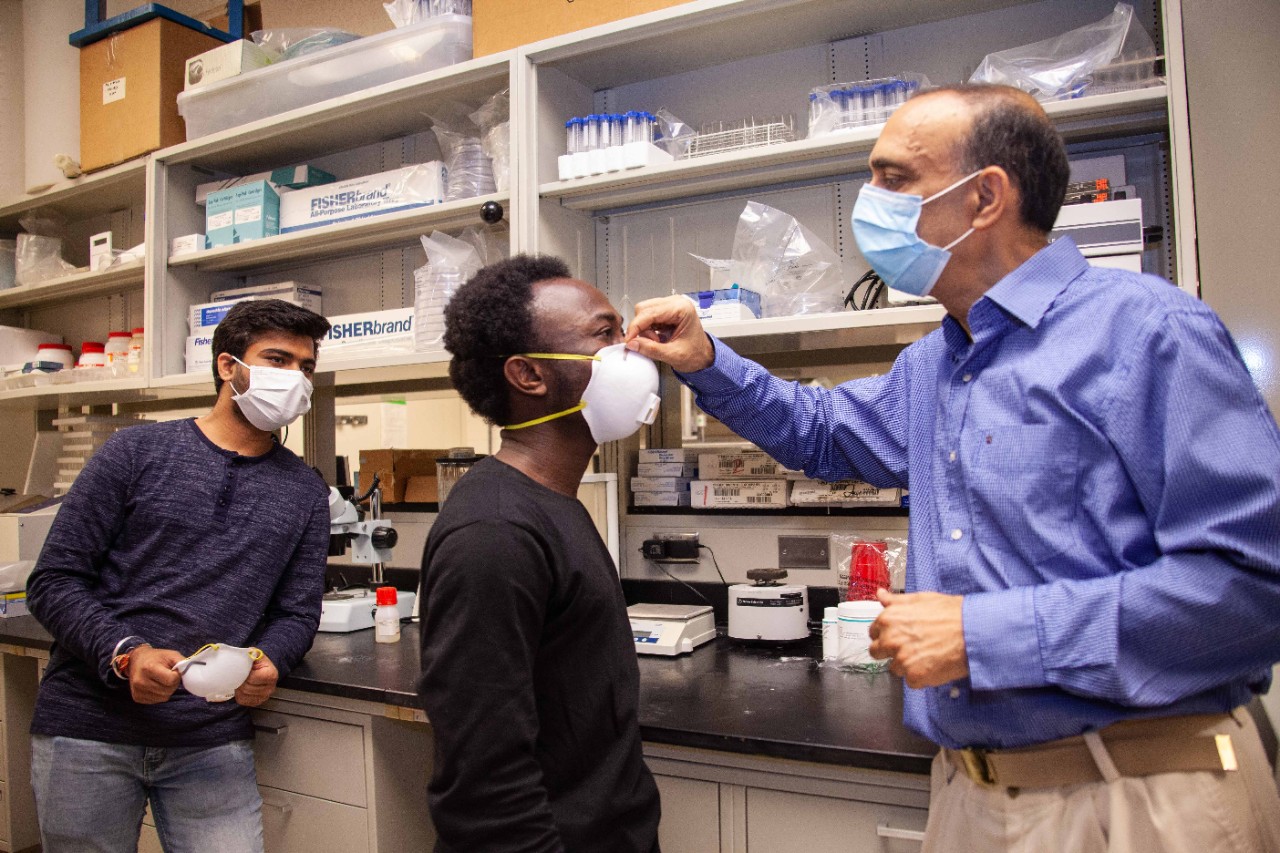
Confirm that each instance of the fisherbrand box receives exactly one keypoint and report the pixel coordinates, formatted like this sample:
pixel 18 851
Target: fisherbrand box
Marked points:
pixel 373 195
pixel 392 328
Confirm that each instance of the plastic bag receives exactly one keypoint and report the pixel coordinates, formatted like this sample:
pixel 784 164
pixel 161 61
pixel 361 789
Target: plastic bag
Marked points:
pixel 1065 66
pixel 866 562
pixel 493 119
pixel 292 42
pixel 792 270
pixel 672 135
pixel 470 169
pixel 38 254
pixel 403 13
pixel 451 261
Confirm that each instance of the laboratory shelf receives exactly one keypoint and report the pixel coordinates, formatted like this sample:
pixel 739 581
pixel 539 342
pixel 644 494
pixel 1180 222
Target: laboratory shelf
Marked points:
pixel 346 370
pixel 704 33
pixel 341 238
pixel 895 326
pixel 114 280
pixel 843 153
pixel 389 111
pixel 801 511
pixel 100 392
pixel 116 188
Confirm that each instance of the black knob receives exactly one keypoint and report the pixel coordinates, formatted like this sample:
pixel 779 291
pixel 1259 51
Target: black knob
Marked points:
pixel 384 537
pixel 491 212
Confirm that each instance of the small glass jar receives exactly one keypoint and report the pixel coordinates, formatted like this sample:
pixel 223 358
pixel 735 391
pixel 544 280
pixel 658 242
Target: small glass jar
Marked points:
pixel 386 617
pixel 449 469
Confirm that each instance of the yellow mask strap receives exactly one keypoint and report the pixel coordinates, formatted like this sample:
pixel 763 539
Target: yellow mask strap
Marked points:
pixel 552 417
pixel 560 356
pixel 254 653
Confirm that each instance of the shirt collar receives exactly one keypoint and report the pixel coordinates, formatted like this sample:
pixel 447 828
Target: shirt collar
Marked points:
pixel 1028 291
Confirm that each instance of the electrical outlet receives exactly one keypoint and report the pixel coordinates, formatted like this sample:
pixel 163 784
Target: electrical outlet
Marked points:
pixel 803 552
pixel 671 548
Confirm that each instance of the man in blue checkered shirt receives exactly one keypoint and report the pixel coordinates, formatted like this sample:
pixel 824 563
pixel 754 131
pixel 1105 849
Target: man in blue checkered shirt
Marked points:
pixel 1094 575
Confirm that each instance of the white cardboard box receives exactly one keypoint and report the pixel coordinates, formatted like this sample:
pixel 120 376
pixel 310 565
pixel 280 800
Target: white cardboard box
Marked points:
pixel 373 195
pixel 659 484
pixel 740 494
pixel 843 493
pixel 660 499
pixel 349 334
pixel 666 469
pixel 668 454
pixel 200 353
pixel 751 463
pixel 223 62
pixel 307 295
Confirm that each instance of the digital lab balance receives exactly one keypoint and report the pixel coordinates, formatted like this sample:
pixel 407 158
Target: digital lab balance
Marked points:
pixel 671 629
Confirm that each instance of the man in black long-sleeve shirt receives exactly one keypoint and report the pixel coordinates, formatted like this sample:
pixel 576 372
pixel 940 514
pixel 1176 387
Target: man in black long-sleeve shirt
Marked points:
pixel 529 667
pixel 176 535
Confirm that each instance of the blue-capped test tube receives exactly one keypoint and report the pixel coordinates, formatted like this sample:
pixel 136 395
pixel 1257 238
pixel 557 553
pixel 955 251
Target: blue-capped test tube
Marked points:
pixel 648 127
pixel 571 136
pixel 881 100
pixel 616 126
pixel 852 114
pixel 592 139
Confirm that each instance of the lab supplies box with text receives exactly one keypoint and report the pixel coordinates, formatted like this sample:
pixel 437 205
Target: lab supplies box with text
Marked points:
pixel 373 195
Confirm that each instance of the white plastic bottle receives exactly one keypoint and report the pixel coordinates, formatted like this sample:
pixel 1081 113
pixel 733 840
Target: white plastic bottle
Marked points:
pixel 830 634
pixel 386 618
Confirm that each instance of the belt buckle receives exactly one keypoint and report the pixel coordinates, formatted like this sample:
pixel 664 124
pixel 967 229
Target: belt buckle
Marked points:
pixel 977 767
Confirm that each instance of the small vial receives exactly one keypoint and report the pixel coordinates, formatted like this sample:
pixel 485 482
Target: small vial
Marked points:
pixel 571 136
pixel 616 124
pixel 592 140
pixel 813 109
pixel 386 618
pixel 631 127
pixel 648 127
pixel 878 95
pixel 830 633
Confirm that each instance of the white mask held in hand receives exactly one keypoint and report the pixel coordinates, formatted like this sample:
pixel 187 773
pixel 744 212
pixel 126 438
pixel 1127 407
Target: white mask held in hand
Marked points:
pixel 216 670
pixel 621 396
pixel 275 397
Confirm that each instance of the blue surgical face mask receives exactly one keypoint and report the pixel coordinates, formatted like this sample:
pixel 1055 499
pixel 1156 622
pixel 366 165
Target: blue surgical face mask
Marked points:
pixel 884 224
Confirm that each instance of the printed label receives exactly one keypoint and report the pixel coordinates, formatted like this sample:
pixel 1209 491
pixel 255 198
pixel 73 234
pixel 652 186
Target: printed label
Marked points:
pixel 248 214
pixel 113 90
pixel 220 220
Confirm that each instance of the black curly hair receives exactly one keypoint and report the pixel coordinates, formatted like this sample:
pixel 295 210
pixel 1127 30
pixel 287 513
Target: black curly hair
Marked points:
pixel 489 317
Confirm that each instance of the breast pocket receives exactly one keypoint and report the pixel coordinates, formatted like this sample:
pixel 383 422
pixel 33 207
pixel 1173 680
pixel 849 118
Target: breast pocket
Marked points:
pixel 1023 482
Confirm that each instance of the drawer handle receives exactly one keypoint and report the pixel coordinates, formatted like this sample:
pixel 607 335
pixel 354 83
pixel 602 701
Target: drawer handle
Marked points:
pixel 883 830
pixel 283 808
pixel 271 730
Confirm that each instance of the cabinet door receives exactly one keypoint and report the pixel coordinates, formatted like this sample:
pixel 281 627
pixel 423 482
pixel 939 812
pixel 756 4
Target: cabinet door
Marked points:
pixel 319 758
pixel 781 822
pixel 690 815
pixel 293 823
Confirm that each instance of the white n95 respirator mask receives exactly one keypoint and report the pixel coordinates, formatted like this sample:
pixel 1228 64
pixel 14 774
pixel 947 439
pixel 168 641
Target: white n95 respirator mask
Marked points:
pixel 216 671
pixel 275 397
pixel 621 396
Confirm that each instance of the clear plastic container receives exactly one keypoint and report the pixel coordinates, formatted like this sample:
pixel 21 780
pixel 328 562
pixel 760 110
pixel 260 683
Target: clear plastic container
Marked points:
pixel 386 616
pixel 352 67
pixel 8 256
pixel 449 469
pixel 117 348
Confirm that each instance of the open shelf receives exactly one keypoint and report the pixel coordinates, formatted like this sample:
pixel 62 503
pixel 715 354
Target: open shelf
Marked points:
pixel 339 238
pixel 864 511
pixel 90 195
pixel 113 280
pixel 841 153
pixel 76 393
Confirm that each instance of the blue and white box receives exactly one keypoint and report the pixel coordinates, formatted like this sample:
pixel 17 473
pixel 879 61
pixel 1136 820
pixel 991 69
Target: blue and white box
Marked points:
pixel 373 195
pixel 729 303
pixel 203 316
pixel 200 353
pixel 237 215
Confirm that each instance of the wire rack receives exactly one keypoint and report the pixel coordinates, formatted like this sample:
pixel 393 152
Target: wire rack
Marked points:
pixel 748 133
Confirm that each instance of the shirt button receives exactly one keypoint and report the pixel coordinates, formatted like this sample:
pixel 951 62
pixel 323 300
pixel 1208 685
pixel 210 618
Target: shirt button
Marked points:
pixel 966 377
pixel 952 456
pixel 955 693
pixel 957 533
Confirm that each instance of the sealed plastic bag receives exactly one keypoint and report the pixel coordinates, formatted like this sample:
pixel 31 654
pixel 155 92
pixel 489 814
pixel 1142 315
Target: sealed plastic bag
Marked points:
pixel 1065 66
pixel 450 262
pixel 287 43
pixel 469 167
pixel 38 254
pixel 777 257
pixel 866 562
pixel 404 13
pixel 493 119
pixel 672 135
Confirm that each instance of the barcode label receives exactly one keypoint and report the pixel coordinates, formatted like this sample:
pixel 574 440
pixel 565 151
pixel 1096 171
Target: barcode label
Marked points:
pixel 722 492
pixel 760 499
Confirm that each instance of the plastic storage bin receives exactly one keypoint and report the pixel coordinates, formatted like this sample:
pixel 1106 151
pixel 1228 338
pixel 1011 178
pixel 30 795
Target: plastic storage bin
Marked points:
pixel 361 64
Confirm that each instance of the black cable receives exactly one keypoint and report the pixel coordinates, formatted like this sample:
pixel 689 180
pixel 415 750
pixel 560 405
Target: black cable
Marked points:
pixel 677 580
pixel 714 562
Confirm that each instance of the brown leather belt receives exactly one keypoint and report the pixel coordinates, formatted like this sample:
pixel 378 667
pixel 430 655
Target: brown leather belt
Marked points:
pixel 1136 747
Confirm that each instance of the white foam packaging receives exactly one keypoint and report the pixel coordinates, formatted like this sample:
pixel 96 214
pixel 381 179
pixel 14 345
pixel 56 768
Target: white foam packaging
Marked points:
pixel 406 188
pixel 742 494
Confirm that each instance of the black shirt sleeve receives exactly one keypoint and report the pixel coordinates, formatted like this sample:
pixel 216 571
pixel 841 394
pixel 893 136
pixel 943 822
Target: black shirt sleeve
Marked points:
pixel 485 589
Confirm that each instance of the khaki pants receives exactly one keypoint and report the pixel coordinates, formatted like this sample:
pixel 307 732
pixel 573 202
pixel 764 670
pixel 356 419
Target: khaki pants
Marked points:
pixel 1202 812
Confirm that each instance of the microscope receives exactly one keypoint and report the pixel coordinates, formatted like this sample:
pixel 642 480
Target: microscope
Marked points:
pixel 371 538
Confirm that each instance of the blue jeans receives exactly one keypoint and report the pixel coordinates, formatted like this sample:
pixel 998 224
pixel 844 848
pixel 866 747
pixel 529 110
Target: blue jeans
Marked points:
pixel 90 796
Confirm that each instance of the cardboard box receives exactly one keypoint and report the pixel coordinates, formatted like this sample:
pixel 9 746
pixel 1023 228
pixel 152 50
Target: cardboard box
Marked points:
pixel 666 469
pixel 406 188
pixel 502 24
pixel 287 177
pixel 659 484
pixel 669 454
pixel 843 493
pixel 738 494
pixel 660 499
pixel 422 490
pixel 392 328
pixel 396 468
pixel 200 353
pixel 752 463
pixel 248 212
pixel 223 62
pixel 129 84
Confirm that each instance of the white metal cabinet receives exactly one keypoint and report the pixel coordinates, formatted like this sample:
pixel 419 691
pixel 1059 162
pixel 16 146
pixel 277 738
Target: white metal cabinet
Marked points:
pixel 690 815
pixel 295 823
pixel 783 822
pixel 310 756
